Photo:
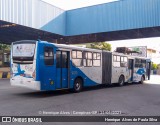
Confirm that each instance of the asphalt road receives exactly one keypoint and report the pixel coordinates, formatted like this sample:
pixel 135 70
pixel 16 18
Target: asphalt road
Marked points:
pixel 130 100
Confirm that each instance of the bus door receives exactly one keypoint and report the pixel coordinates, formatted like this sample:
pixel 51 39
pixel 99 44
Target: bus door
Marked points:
pixel 48 69
pixel 131 68
pixel 148 70
pixel 62 69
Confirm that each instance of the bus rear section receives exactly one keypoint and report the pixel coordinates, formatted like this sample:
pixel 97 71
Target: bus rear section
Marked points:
pixel 142 69
pixel 128 68
pixel 23 64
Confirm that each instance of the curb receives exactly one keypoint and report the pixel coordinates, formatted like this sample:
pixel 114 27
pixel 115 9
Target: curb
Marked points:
pixel 4 75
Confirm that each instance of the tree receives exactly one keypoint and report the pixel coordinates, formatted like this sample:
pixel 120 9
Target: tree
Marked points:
pixel 100 45
pixel 154 66
pixel 3 49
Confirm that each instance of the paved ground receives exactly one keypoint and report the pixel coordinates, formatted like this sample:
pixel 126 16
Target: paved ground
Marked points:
pixel 155 79
pixel 132 100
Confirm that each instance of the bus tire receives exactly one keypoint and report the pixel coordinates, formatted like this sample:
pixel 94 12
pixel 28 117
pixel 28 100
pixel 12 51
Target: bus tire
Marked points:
pixel 121 80
pixel 142 80
pixel 77 85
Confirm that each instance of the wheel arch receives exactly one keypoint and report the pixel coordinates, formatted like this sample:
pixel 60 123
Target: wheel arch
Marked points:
pixel 122 76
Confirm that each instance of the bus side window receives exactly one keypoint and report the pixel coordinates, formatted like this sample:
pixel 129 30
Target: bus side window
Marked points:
pixel 123 61
pixel 48 56
pixel 87 59
pixel 96 59
pixel 77 58
pixel 137 63
pixel 116 61
pixel 140 63
pixel 143 63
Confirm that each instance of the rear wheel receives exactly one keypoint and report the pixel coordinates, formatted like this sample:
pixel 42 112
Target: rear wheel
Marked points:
pixel 121 81
pixel 77 85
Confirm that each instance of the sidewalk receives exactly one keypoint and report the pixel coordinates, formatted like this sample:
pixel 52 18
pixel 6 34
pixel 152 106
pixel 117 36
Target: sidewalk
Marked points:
pixel 155 79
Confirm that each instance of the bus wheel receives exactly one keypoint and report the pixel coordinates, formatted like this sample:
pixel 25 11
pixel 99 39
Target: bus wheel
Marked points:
pixel 77 85
pixel 142 80
pixel 121 81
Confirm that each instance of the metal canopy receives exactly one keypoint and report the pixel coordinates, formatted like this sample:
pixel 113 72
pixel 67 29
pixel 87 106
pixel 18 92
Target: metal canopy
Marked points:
pixel 112 36
pixel 10 32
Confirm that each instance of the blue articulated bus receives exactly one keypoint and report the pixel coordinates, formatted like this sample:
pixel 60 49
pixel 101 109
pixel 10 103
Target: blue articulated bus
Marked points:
pixel 41 65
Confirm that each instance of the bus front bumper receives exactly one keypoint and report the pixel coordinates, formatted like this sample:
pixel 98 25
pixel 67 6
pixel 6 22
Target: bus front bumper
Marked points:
pixel 35 85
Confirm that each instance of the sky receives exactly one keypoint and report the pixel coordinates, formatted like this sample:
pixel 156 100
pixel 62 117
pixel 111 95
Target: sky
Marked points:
pixel 152 43
pixel 73 4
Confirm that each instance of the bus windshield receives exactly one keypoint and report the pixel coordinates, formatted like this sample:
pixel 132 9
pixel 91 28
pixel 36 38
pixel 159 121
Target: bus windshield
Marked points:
pixel 23 51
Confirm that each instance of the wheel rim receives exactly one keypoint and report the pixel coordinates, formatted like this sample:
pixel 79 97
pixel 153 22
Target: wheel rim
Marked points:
pixel 121 81
pixel 77 86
